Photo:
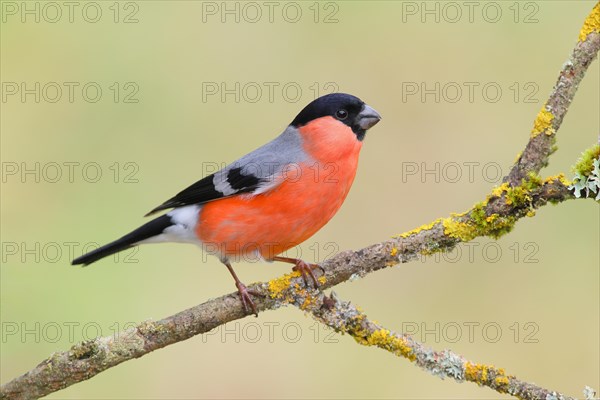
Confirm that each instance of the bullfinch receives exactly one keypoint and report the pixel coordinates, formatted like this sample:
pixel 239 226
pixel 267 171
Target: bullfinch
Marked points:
pixel 271 199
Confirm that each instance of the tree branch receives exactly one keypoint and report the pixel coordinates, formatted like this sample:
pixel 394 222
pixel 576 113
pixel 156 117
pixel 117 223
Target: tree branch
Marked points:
pixel 549 119
pixel 522 192
pixel 87 359
pixel 345 318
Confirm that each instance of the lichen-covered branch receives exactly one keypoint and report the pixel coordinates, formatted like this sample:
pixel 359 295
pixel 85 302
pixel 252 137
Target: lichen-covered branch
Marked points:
pixel 87 359
pixel 345 318
pixel 522 192
pixel 548 121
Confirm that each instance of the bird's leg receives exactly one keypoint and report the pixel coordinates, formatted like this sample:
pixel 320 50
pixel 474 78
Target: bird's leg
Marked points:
pixel 306 269
pixel 243 291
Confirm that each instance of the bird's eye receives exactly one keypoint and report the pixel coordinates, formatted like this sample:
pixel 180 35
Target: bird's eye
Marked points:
pixel 341 114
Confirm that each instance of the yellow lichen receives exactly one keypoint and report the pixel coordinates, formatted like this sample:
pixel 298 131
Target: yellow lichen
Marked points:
pixel 560 177
pixel 360 335
pixel 498 190
pixel 278 286
pixel 543 123
pixel 308 301
pixel 591 24
pixel 501 383
pixel 478 223
pixel 517 195
pixel 476 373
pixel 487 375
pixel 425 227
pixel 382 338
pixel 394 252
pixel 459 230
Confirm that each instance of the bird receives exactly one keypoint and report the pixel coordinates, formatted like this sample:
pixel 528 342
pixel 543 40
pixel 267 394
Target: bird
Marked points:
pixel 271 199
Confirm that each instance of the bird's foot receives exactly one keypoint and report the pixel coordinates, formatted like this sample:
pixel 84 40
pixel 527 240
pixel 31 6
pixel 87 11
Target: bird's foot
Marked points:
pixel 245 295
pixel 244 292
pixel 306 270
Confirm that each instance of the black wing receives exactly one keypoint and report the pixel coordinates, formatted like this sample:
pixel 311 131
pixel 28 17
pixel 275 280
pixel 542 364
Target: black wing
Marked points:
pixel 235 182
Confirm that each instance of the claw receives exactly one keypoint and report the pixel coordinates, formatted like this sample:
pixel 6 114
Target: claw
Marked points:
pixel 246 298
pixel 244 292
pixel 306 270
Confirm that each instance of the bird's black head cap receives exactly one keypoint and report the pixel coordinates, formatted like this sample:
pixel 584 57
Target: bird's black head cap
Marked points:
pixel 341 106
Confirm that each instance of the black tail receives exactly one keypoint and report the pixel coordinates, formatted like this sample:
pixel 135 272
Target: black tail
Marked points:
pixel 146 231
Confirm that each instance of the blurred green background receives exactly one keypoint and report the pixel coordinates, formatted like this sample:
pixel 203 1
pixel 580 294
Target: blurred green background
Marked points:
pixel 528 302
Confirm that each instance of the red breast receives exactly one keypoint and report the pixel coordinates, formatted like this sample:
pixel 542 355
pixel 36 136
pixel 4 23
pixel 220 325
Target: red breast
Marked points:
pixel 312 192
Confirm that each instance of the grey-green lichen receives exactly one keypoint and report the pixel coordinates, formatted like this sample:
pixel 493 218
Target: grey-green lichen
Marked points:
pixel 85 349
pixel 587 174
pixel 589 393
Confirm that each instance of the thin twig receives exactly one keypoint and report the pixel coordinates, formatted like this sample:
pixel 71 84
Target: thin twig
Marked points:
pixel 345 318
pixel 549 119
